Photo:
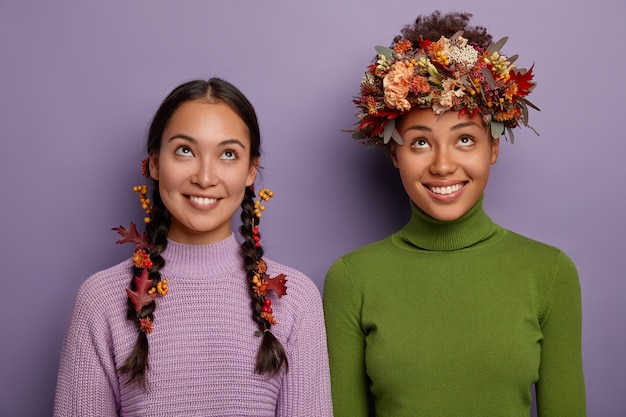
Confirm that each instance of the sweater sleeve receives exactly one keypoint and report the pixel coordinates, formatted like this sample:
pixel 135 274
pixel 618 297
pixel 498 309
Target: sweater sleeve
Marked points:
pixel 305 388
pixel 87 382
pixel 346 343
pixel 561 389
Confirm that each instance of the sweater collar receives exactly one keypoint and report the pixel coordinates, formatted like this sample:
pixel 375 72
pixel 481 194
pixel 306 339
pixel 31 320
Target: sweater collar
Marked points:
pixel 428 233
pixel 202 260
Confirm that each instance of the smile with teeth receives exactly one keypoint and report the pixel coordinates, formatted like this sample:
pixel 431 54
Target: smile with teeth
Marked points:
pixel 203 201
pixel 446 190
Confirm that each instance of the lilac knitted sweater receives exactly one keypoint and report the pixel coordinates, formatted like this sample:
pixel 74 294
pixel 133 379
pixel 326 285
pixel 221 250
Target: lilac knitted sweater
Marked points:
pixel 202 350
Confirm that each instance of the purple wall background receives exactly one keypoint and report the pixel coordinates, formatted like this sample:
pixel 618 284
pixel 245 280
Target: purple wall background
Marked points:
pixel 80 80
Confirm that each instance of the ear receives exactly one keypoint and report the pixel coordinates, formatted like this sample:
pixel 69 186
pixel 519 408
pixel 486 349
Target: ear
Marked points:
pixel 495 149
pixel 153 165
pixel 393 147
pixel 254 167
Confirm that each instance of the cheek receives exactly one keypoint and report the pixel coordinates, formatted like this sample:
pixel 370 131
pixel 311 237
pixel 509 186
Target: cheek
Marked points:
pixel 480 167
pixel 409 166
pixel 170 176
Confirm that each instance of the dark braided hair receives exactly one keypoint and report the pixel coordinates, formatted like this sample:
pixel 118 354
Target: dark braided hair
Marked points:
pixel 436 25
pixel 271 357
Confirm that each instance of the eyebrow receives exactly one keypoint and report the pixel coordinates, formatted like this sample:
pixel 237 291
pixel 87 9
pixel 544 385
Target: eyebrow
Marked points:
pixel 458 126
pixel 225 142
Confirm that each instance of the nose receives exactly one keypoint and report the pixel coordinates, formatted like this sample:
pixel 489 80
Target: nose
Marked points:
pixel 205 174
pixel 443 162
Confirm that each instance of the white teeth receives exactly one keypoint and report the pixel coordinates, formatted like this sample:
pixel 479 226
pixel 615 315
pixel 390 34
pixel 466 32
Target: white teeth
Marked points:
pixel 446 190
pixel 202 200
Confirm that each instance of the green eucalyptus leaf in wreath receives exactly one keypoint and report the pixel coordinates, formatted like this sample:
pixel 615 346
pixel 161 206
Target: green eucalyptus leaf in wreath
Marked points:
pixel 383 50
pixel 497 129
pixel 370 145
pixel 389 128
pixel 495 47
pixel 528 103
pixel 488 77
pixel 358 136
pixel 511 135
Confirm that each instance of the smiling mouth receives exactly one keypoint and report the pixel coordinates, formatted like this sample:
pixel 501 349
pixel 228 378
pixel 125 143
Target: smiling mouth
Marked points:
pixel 203 201
pixel 446 190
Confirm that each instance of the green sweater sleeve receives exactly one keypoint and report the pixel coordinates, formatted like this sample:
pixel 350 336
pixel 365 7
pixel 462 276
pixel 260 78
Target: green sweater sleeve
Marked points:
pixel 560 389
pixel 346 343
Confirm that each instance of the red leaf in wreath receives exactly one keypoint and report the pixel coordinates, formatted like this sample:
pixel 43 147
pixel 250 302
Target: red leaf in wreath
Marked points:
pixel 140 297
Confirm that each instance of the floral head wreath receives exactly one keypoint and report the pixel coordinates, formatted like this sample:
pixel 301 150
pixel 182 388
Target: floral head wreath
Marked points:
pixel 449 74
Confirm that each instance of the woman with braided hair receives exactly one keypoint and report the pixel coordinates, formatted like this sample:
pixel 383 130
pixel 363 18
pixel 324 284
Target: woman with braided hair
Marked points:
pixel 196 323
pixel 453 315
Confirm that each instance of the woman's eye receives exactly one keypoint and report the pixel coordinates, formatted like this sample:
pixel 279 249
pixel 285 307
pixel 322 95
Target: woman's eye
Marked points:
pixel 184 151
pixel 229 154
pixel 420 144
pixel 466 141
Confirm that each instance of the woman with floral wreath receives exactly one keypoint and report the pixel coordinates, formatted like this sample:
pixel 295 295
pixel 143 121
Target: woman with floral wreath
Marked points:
pixel 196 323
pixel 453 315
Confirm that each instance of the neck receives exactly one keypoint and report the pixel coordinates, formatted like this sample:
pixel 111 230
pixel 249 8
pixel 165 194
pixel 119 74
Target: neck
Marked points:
pixel 428 233
pixel 202 260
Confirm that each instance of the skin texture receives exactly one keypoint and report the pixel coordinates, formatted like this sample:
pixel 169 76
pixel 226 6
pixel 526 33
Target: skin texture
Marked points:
pixel 444 151
pixel 203 167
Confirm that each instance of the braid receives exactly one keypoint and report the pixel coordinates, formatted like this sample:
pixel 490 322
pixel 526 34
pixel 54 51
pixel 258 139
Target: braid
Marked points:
pixel 156 233
pixel 271 357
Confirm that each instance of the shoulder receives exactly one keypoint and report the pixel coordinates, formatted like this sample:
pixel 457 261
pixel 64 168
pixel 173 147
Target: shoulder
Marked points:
pixel 299 285
pixel 367 257
pixel 553 270
pixel 528 247
pixel 100 305
pixel 367 252
pixel 106 286
pixel 301 306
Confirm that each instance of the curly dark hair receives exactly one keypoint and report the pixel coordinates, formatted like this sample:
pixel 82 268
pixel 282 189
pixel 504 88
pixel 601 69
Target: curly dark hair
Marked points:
pixel 434 26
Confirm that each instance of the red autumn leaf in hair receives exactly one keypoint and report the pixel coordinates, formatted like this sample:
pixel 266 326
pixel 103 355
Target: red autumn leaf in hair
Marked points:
pixel 523 81
pixel 423 43
pixel 140 297
pixel 464 110
pixel 277 284
pixel 131 235
pixel 377 123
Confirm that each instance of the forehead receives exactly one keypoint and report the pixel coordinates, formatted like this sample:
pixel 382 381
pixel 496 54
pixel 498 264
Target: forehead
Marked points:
pixel 446 121
pixel 206 123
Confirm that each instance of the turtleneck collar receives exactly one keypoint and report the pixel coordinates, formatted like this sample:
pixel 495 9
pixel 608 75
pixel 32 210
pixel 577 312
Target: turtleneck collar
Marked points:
pixel 426 232
pixel 202 260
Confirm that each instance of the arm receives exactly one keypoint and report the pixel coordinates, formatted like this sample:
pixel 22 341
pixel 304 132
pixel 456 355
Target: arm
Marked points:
pixel 87 381
pixel 561 388
pixel 305 388
pixel 346 343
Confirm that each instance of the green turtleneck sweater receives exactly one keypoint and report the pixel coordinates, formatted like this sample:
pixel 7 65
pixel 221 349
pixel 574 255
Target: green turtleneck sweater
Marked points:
pixel 455 319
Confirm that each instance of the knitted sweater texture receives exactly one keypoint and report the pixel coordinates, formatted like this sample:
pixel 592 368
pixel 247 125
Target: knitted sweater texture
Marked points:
pixel 202 349
pixel 455 319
